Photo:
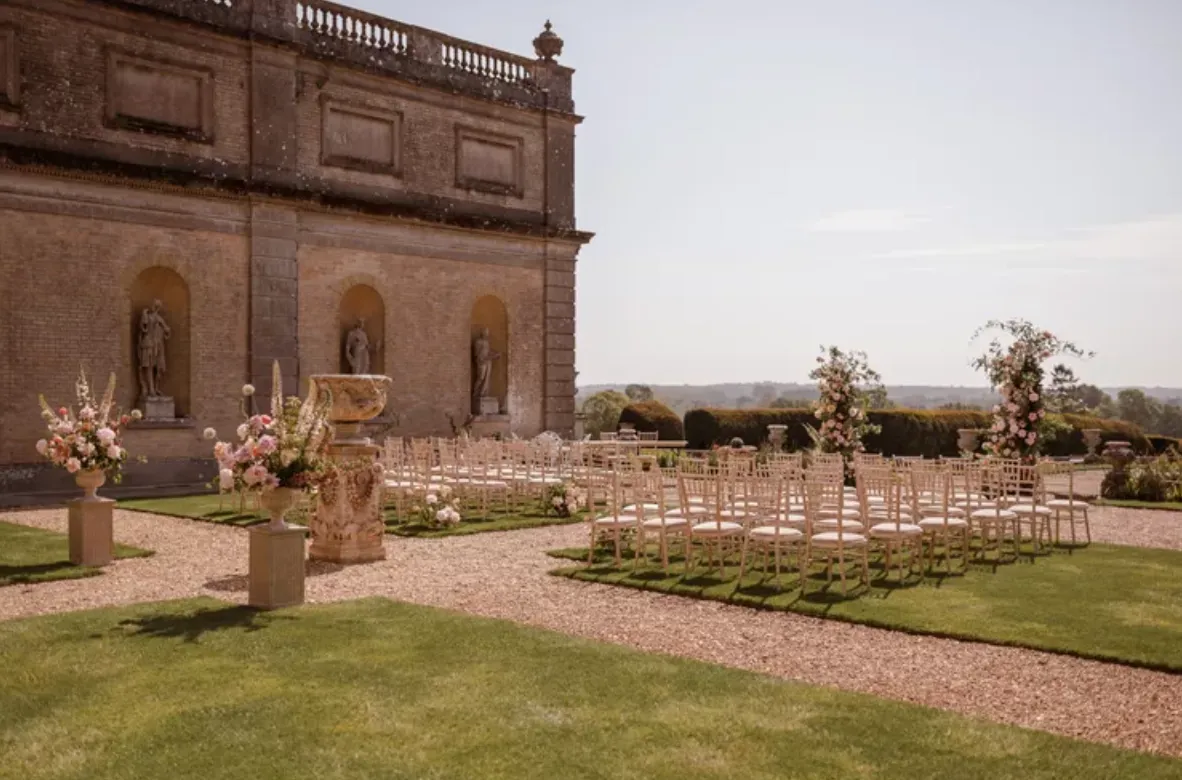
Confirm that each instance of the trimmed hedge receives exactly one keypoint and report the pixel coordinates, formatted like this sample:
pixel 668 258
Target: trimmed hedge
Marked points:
pixel 649 416
pixel 1163 444
pixel 926 432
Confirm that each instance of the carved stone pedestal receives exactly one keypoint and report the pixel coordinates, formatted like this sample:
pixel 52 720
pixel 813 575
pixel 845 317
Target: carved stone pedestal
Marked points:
pixel 92 541
pixel 161 407
pixel 348 526
pixel 489 425
pixel 488 406
pixel 276 566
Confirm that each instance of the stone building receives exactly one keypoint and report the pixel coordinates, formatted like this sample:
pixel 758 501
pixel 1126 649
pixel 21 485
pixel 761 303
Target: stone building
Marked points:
pixel 276 174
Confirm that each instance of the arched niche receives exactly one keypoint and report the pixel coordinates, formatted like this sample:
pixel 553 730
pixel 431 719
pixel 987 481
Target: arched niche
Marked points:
pixel 362 305
pixel 490 312
pixel 168 287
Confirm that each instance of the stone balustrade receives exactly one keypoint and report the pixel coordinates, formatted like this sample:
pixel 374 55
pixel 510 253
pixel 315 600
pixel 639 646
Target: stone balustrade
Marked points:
pixel 338 32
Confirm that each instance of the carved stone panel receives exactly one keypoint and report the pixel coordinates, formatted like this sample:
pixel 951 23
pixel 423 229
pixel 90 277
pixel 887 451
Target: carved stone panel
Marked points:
pixel 159 96
pixel 489 162
pixel 361 138
pixel 10 79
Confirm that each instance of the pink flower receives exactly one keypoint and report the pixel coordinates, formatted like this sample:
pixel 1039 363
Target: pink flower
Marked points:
pixel 42 447
pixel 267 444
pixel 73 465
pixel 114 452
pixel 1033 397
pixel 1034 415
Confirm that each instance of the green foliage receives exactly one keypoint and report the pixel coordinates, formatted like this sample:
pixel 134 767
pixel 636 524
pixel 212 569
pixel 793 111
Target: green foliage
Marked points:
pixel 603 411
pixel 928 432
pixel 648 416
pixel 1155 479
pixel 638 392
pixel 1110 430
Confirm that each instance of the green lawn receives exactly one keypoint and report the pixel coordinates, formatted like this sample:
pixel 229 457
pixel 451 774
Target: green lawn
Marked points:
pixel 36 555
pixel 1113 603
pixel 209 508
pixel 378 689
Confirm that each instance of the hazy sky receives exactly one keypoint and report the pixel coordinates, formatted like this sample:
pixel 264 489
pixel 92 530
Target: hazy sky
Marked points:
pixel 765 177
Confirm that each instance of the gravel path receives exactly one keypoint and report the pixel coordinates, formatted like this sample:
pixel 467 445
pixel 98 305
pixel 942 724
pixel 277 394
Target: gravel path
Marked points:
pixel 503 575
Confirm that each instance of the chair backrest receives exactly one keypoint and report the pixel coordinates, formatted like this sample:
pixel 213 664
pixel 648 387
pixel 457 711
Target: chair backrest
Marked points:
pixel 647 435
pixel 765 488
pixel 700 486
pixel 823 492
pixel 888 486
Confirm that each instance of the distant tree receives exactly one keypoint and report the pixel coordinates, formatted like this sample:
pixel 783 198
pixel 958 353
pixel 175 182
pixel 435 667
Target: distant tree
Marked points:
pixel 876 398
pixel 744 402
pixel 639 392
pixel 1169 421
pixel 1136 407
pixel 790 402
pixel 1092 397
pixel 603 411
pixel 764 394
pixel 957 406
pixel 1063 393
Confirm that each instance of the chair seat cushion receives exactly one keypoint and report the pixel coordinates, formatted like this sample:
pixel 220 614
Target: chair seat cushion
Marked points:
pixel 830 524
pixel 1026 510
pixel 1067 503
pixel 732 514
pixel 632 509
pixel 830 539
pixel 687 511
pixel 938 511
pixel 936 523
pixel 776 533
pixel 666 522
pixel 717 529
pixel 891 531
pixel 617 521
pixel 993 514
pixel 849 514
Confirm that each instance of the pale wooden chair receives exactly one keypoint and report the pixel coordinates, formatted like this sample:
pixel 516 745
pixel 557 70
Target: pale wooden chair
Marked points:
pixel 943 527
pixel 836 544
pixel 891 525
pixel 770 532
pixel 1071 509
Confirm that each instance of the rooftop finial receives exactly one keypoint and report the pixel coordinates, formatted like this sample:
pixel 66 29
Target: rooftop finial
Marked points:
pixel 548 45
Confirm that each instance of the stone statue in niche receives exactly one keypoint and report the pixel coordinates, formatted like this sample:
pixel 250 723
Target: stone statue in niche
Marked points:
pixel 152 363
pixel 357 348
pixel 483 356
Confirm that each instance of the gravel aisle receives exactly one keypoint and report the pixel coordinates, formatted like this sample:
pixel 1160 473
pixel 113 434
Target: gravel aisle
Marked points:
pixel 503 575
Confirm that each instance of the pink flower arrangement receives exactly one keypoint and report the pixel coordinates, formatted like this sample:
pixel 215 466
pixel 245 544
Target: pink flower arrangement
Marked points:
pixel 843 380
pixel 1016 372
pixel 285 448
pixel 90 440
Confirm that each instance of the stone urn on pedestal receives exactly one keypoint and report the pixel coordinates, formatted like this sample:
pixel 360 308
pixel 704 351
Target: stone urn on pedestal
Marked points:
pixel 967 439
pixel 347 526
pixel 776 434
pixel 92 541
pixel 1091 437
pixel 277 554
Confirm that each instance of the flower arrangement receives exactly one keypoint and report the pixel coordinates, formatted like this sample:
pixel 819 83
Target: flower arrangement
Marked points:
pixel 564 499
pixel 285 448
pixel 1016 372
pixel 845 380
pixel 438 509
pixel 90 440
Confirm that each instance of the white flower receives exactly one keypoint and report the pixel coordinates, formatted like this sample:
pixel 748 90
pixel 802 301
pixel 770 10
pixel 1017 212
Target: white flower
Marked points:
pixel 106 436
pixel 287 457
pixel 248 390
pixel 226 479
pixel 432 499
pixel 114 452
pixel 73 465
pixel 556 501
pixel 42 446
pixel 86 413
pixel 136 414
pixel 243 431
pixel 210 434
pixel 445 491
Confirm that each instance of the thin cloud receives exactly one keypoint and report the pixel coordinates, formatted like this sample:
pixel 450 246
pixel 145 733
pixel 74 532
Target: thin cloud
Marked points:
pixel 868 221
pixel 1150 239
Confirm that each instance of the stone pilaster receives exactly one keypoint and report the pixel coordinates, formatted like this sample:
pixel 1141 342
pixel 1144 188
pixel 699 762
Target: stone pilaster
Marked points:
pixel 274 298
pixel 559 396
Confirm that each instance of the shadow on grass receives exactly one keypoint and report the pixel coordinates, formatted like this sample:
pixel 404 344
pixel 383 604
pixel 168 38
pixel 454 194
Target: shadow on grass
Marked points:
pixel 191 627
pixel 38 572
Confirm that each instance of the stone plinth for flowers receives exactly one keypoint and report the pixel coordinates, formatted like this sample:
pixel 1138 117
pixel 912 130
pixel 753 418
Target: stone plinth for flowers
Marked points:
pixel 279 455
pixel 348 526
pixel 89 445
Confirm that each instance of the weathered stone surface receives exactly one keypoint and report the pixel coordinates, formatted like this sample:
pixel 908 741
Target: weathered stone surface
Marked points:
pixel 276 577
